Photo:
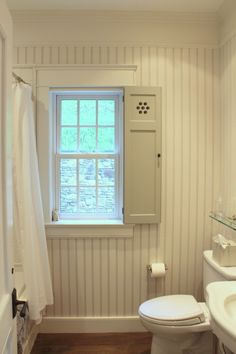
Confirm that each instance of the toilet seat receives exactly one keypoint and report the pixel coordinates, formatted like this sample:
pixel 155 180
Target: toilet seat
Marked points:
pixel 173 310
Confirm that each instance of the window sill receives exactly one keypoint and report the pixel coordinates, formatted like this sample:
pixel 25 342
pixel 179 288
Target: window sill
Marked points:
pixel 88 229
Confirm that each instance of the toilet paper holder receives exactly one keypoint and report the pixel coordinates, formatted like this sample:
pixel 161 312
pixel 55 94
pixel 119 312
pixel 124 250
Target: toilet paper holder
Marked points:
pixel 149 267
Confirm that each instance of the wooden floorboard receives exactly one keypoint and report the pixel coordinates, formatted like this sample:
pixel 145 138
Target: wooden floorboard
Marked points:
pixel 99 343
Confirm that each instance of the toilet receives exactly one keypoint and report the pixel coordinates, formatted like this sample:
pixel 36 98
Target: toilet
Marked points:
pixel 179 323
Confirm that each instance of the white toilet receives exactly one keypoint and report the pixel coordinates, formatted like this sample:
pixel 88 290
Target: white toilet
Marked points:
pixel 179 323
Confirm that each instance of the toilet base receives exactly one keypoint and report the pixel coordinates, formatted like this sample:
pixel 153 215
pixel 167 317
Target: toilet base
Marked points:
pixel 191 343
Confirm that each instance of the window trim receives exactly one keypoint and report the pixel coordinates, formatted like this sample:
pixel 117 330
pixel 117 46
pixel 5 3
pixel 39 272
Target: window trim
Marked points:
pixel 81 229
pixel 55 97
pixel 45 77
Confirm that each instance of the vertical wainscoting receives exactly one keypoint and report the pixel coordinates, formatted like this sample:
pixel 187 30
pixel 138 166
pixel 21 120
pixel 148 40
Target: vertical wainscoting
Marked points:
pixel 228 127
pixel 108 277
pixel 103 277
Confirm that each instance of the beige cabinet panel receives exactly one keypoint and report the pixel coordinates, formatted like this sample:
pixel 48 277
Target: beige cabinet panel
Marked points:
pixel 142 180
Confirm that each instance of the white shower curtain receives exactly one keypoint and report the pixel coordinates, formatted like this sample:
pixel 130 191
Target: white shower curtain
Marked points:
pixel 28 213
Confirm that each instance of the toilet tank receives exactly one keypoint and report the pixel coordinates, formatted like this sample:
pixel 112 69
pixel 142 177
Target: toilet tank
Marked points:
pixel 212 271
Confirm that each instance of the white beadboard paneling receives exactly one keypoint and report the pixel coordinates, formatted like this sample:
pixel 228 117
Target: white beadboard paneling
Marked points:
pixel 185 180
pixel 128 277
pixel 65 277
pixel 144 248
pixel 152 256
pixel 128 55
pixel 144 66
pixel 113 286
pixel 96 270
pixel 38 55
pixel 209 155
pixel 227 188
pixel 88 278
pixel 136 268
pixel 30 55
pixel 82 275
pixel 120 246
pixel 169 157
pixel 161 64
pixel 138 62
pixel 72 275
pixel 153 67
pixel 193 173
pixel 177 167
pixel 201 165
pixel 217 131
pixel 54 55
pixel 106 276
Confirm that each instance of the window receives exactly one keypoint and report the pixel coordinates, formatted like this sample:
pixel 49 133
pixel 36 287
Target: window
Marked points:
pixel 88 154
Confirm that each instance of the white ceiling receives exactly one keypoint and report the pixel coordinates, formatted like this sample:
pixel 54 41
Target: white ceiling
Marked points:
pixel 120 5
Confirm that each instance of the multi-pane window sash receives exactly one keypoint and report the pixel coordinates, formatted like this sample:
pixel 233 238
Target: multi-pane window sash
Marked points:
pixel 88 151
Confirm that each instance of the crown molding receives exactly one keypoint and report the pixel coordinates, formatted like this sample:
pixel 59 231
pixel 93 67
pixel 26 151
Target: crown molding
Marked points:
pixel 115 16
pixel 226 10
pixel 227 21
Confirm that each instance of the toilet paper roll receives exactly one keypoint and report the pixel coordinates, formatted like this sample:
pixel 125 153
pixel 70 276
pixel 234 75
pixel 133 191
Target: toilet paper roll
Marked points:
pixel 158 270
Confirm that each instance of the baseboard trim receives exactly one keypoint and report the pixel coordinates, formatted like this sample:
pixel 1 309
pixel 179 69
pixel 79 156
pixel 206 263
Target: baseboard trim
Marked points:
pixel 91 324
pixel 31 339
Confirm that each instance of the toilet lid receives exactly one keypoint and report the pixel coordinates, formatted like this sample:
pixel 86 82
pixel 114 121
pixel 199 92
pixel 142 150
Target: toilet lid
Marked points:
pixel 173 309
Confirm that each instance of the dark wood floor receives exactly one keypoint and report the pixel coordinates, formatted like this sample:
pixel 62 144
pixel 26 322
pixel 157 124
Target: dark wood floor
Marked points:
pixel 99 343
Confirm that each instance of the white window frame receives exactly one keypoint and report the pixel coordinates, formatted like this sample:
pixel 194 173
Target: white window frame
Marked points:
pixel 117 95
pixel 43 79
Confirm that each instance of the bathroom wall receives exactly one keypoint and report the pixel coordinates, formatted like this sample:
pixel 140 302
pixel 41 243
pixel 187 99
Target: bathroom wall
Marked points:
pixel 228 111
pixel 108 277
pixel 228 124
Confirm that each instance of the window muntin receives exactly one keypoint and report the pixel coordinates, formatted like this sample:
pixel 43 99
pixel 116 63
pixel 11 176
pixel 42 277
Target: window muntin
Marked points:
pixel 88 155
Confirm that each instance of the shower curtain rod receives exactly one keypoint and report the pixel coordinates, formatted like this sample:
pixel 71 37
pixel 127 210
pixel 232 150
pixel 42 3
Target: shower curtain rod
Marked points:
pixel 19 79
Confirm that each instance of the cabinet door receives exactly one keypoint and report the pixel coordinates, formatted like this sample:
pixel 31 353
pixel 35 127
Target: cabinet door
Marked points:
pixel 142 182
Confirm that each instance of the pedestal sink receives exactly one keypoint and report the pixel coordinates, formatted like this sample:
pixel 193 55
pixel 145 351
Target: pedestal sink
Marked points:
pixel 221 301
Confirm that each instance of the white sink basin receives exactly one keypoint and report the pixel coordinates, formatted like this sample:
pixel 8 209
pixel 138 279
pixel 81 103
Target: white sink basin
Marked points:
pixel 221 301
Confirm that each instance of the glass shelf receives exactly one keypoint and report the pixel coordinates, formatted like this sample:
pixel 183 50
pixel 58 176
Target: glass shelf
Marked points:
pixel 224 220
